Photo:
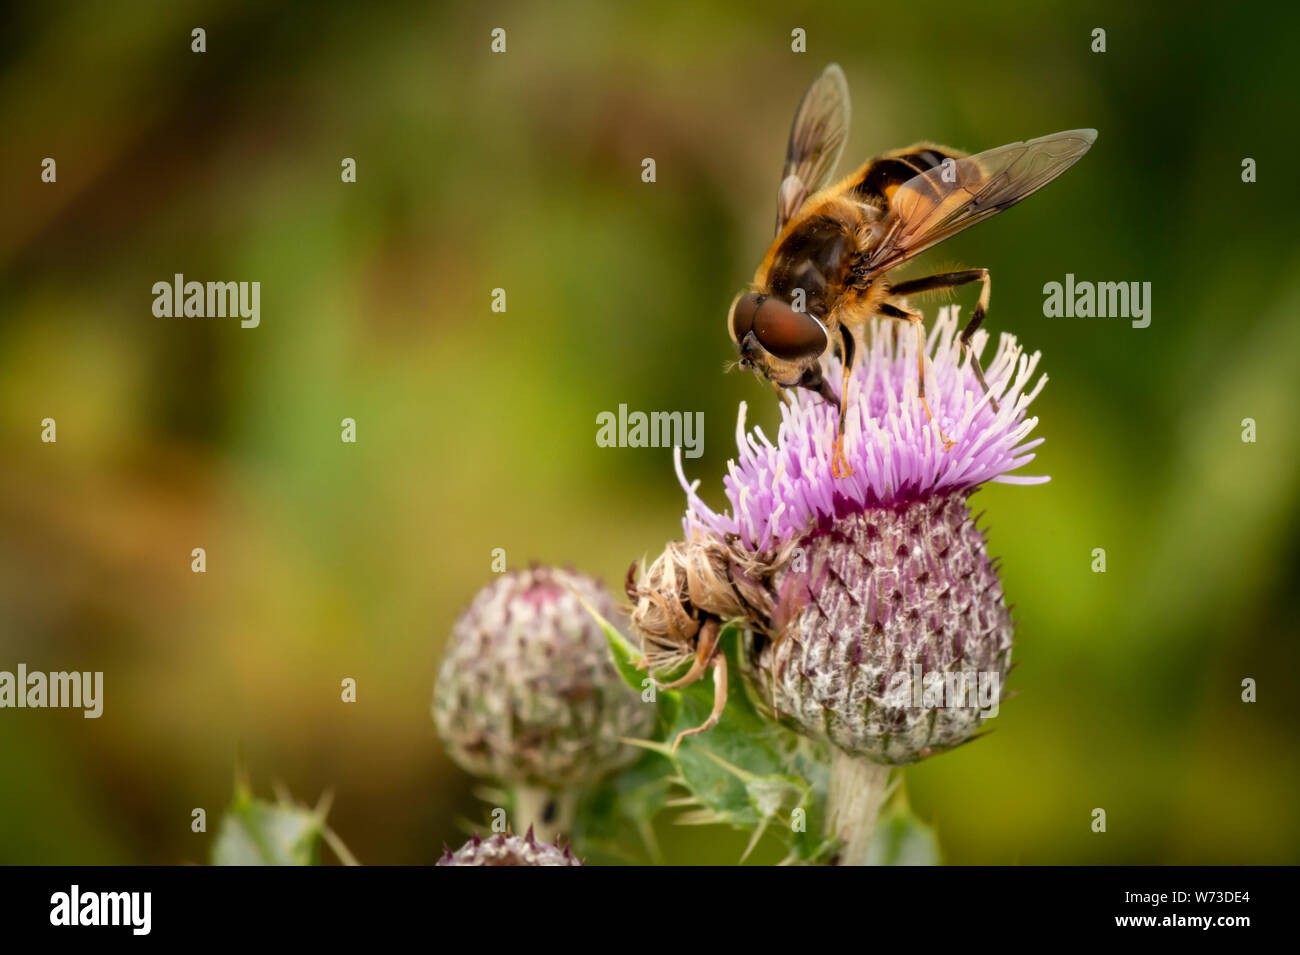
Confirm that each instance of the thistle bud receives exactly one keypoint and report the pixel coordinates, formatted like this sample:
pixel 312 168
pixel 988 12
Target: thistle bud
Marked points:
pixel 527 693
pixel 896 640
pixel 509 850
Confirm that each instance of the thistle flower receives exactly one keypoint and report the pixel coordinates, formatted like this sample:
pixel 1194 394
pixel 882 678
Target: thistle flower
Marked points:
pixel 777 492
pixel 508 850
pixel 527 693
pixel 866 597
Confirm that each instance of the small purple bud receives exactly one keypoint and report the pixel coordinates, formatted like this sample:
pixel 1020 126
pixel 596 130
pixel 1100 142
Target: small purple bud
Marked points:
pixel 527 693
pixel 508 851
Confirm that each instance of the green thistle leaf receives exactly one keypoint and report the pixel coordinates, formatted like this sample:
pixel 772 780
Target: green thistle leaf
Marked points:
pixel 745 772
pixel 901 838
pixel 256 832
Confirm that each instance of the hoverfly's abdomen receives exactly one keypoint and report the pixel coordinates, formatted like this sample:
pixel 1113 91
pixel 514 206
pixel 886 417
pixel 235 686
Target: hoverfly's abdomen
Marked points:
pixel 880 177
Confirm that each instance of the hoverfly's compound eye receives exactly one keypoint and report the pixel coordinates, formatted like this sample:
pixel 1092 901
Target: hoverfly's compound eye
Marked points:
pixel 742 315
pixel 787 334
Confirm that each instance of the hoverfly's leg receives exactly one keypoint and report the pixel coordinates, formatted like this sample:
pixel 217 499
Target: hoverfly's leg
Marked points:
pixel 840 466
pixel 719 701
pixel 952 280
pixel 913 316
pixel 706 645
pixel 814 380
pixel 848 349
pixel 976 319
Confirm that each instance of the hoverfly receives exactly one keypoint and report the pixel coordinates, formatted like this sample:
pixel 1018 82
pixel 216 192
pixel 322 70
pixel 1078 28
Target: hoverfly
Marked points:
pixel 824 274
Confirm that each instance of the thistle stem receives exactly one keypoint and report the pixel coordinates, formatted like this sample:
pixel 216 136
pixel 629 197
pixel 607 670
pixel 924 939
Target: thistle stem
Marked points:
pixel 858 790
pixel 550 813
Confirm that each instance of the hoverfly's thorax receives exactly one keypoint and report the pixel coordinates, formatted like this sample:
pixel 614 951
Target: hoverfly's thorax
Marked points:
pixel 808 266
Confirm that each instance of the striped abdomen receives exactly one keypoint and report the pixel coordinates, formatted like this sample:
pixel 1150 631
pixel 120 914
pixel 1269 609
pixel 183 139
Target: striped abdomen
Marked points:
pixel 876 181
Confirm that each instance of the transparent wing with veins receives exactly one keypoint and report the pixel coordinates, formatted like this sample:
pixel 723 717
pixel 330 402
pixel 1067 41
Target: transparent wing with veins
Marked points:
pixel 954 196
pixel 817 137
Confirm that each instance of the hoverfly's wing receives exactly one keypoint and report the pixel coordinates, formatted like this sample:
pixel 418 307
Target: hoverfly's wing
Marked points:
pixel 929 208
pixel 817 137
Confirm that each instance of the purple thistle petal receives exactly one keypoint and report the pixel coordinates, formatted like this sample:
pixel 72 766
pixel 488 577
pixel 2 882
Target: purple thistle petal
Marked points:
pixel 778 491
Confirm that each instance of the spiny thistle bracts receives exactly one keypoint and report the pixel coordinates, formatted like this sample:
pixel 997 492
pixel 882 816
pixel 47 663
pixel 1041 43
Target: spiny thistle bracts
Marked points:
pixel 847 585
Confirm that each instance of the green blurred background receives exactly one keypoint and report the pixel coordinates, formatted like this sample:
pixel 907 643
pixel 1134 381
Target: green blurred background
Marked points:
pixel 476 430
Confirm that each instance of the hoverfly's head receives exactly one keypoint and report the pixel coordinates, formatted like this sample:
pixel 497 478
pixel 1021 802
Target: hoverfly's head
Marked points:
pixel 774 340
